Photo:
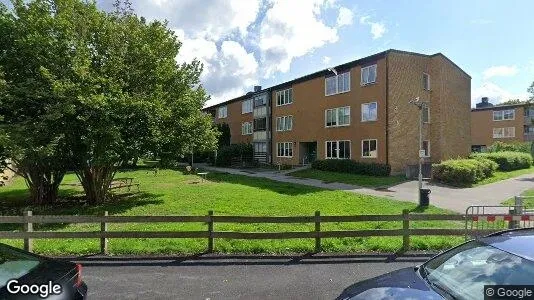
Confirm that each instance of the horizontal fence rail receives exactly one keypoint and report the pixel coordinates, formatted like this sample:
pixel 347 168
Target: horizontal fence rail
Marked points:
pixel 28 234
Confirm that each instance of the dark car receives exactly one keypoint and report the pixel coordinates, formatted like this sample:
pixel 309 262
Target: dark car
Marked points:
pixel 24 275
pixel 503 258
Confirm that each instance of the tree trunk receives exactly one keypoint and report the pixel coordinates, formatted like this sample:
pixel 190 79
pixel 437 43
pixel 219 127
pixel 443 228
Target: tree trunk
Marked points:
pixel 95 181
pixel 42 183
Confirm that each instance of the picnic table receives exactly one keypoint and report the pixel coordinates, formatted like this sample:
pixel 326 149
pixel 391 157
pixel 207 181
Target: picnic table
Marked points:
pixel 123 182
pixel 203 175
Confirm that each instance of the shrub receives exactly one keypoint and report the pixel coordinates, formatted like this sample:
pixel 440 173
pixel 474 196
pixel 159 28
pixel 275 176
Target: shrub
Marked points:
pixel 226 153
pixel 463 172
pixel 514 147
pixel 352 166
pixel 508 160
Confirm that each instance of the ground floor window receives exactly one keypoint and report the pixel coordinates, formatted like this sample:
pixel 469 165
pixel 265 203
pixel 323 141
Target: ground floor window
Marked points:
pixel 369 148
pixel 285 149
pixel 478 148
pixel 338 149
pixel 506 132
pixel 426 147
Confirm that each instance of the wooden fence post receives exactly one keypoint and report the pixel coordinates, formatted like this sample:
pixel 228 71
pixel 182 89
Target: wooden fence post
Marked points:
pixel 210 231
pixel 28 227
pixel 406 230
pixel 103 240
pixel 317 230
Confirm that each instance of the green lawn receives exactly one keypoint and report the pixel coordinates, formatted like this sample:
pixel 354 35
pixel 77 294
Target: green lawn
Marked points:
pixel 173 193
pixel 500 175
pixel 355 179
pixel 528 202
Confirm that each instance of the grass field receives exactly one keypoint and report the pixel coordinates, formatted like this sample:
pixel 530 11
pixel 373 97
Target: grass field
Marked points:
pixel 174 193
pixel 499 175
pixel 527 202
pixel 355 179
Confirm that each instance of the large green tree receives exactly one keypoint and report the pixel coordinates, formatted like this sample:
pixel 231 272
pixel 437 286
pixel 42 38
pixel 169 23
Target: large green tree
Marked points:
pixel 119 89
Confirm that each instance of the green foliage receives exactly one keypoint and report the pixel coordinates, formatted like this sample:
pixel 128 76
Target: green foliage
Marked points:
pixel 227 153
pixel 225 135
pixel 463 172
pixel 512 101
pixel 352 166
pixel 507 161
pixel 515 147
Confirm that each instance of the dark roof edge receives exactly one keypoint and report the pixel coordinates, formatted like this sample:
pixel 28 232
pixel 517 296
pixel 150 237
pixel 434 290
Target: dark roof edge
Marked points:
pixel 500 106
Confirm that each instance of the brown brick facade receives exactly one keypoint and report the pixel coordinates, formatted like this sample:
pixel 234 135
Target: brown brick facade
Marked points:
pixel 235 119
pixel 482 125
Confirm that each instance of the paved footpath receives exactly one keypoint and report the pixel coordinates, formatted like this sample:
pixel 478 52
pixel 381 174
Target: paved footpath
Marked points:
pixel 455 199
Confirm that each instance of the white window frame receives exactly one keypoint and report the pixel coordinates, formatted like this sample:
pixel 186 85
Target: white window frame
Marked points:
pixel 428 146
pixel 246 128
pixel 369 140
pixel 282 123
pixel 246 106
pixel 502 113
pixel 367 105
pixel 426 83
pixel 500 133
pixel 285 147
pixel 286 97
pixel 221 109
pixel 338 78
pixel 367 69
pixel 337 117
pixel 428 114
pixel 337 149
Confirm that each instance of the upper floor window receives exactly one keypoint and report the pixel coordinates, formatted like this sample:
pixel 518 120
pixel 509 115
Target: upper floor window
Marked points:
pixel 260 100
pixel 501 115
pixel 284 97
pixel 260 124
pixel 223 112
pixel 246 128
pixel 368 75
pixel 337 149
pixel 507 132
pixel 337 84
pixel 426 114
pixel 426 82
pixel 246 106
pixel 369 111
pixel 284 123
pixel 337 116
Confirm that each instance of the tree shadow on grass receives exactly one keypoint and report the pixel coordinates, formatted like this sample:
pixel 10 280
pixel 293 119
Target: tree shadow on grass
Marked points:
pixel 284 188
pixel 71 202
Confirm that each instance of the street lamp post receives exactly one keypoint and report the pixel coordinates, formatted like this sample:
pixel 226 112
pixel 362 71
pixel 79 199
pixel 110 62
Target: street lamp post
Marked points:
pixel 420 105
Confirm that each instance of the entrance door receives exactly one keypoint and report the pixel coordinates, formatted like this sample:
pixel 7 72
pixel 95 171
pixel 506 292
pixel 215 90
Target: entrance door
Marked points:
pixel 309 152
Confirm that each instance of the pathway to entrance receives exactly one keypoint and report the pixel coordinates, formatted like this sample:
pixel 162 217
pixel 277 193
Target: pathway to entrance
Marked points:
pixel 455 199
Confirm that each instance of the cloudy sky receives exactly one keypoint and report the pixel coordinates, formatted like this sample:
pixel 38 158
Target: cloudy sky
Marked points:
pixel 243 43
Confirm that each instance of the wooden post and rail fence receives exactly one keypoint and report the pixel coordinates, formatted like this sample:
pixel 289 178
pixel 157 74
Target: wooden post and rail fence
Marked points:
pixel 406 232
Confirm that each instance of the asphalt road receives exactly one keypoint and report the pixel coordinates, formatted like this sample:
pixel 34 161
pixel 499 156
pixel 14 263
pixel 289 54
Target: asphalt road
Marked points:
pixel 238 277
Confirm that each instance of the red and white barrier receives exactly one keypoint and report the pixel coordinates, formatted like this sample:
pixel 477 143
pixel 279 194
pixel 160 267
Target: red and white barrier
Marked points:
pixel 507 217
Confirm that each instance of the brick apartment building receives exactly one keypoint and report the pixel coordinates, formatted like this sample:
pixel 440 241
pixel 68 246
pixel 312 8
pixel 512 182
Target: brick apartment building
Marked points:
pixel 505 123
pixel 358 110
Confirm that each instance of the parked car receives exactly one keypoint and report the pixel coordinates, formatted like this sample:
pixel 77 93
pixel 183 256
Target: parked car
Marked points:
pixel 503 258
pixel 24 275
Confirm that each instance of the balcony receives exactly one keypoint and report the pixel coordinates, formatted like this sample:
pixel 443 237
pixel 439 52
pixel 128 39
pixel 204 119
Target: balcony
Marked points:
pixel 529 120
pixel 529 136
pixel 260 136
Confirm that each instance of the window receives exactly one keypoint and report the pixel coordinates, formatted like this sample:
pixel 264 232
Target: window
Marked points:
pixel 369 112
pixel 260 100
pixel 426 82
pixel 285 149
pixel 246 106
pixel 337 150
pixel 284 123
pixel 506 132
pixel 368 75
pixel 426 147
pixel 337 84
pixel 369 148
pixel 529 129
pixel 260 147
pixel 501 115
pixel 260 124
pixel 246 128
pixel 284 97
pixel 337 117
pixel 223 112
pixel 426 114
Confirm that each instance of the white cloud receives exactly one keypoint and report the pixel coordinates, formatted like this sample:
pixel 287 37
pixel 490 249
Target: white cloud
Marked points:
pixel 500 71
pixel 378 29
pixel 345 17
pixel 284 36
pixel 326 60
pixel 495 93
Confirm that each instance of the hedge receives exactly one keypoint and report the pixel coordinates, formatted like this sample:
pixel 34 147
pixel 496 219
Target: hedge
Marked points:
pixel 352 166
pixel 226 153
pixel 499 146
pixel 507 160
pixel 463 172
